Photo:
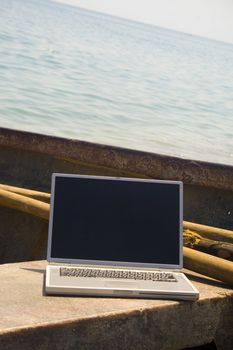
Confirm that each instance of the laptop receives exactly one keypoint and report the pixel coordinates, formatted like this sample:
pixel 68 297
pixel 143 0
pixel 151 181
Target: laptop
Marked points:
pixel 117 237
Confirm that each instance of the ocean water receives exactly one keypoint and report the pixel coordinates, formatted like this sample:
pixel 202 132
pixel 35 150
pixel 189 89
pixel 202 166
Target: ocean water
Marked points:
pixel 78 74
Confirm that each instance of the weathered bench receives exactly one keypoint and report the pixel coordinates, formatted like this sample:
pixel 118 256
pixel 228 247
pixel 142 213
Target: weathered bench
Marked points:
pixel 29 319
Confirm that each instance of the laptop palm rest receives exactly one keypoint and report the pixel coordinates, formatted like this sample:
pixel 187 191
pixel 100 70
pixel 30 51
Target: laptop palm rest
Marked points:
pixel 121 284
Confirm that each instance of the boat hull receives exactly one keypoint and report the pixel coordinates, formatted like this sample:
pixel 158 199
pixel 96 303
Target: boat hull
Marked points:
pixel 28 160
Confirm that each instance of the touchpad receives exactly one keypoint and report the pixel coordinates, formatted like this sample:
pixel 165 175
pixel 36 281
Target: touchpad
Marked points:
pixel 121 284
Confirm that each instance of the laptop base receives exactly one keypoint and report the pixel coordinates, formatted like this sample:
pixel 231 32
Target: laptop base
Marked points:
pixel 55 284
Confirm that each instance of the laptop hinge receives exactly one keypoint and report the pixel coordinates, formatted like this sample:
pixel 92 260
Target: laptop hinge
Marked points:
pixel 113 267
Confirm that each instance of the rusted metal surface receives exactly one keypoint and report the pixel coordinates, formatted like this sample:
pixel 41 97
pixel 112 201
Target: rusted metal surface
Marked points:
pixel 129 161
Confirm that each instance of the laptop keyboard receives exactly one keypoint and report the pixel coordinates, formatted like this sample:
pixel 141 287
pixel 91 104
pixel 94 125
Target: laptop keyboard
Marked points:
pixel 117 274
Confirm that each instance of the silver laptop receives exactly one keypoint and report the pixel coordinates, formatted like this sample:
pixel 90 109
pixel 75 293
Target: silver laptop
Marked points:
pixel 116 237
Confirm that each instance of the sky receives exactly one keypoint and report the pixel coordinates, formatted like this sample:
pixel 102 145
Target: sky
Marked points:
pixel 209 18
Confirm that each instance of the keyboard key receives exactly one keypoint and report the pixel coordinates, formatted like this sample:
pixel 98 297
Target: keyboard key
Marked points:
pixel 117 274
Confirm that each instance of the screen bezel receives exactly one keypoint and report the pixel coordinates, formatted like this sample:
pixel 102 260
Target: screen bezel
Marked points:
pixel 114 263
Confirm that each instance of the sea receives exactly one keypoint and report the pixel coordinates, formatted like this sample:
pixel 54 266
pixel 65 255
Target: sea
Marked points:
pixel 74 73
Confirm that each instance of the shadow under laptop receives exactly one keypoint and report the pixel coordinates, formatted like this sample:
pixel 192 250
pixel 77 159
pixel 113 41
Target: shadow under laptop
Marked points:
pixel 206 280
pixel 42 271
pixel 33 270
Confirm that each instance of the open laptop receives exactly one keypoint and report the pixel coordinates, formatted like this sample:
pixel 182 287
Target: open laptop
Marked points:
pixel 117 237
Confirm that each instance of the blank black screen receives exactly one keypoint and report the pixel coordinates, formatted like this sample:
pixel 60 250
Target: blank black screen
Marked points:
pixel 116 220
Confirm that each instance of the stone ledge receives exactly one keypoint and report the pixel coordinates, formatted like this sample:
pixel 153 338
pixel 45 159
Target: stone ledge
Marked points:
pixel 29 319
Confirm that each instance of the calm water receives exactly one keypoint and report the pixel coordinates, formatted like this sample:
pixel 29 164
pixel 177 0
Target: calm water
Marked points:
pixel 73 73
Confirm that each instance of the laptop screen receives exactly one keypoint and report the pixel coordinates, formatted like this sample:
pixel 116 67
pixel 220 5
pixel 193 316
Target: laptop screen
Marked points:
pixel 117 220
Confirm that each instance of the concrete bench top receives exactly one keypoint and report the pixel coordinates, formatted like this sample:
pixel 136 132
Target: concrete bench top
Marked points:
pixel 29 319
